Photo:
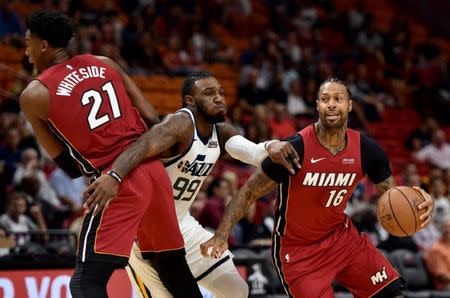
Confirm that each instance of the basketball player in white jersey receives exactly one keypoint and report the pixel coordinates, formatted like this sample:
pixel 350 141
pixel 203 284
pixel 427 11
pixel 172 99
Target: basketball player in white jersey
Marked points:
pixel 189 143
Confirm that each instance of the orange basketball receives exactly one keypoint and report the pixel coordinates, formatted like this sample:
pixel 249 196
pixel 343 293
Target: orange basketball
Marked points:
pixel 398 211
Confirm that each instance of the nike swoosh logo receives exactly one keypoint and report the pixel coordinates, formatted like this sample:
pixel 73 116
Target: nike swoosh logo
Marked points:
pixel 316 160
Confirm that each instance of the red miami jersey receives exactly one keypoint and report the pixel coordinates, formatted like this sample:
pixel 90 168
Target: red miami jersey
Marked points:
pixel 90 111
pixel 311 203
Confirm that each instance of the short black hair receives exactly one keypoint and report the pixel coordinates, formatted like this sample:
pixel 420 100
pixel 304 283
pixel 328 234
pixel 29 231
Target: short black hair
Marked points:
pixel 189 82
pixel 337 81
pixel 54 27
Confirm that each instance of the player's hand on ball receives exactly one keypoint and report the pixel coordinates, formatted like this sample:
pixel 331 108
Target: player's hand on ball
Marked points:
pixel 284 154
pixel 100 193
pixel 428 205
pixel 214 247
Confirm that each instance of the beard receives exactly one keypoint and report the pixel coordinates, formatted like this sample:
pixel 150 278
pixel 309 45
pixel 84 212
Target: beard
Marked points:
pixel 212 119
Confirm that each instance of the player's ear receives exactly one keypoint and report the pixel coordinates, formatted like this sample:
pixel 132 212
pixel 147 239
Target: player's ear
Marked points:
pixel 44 46
pixel 350 105
pixel 189 101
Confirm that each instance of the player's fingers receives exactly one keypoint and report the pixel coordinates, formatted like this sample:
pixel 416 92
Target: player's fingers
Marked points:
pixel 425 223
pixel 204 249
pixel 287 164
pixel 89 199
pixel 93 201
pixel 99 207
pixel 293 151
pixel 88 190
pixel 427 214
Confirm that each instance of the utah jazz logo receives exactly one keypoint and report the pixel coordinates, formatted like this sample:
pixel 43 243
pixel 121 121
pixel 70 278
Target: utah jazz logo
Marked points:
pixel 196 168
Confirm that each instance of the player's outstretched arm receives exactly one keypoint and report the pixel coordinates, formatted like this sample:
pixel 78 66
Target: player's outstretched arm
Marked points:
pixel 256 186
pixel 174 129
pixel 138 99
pixel 428 204
pixel 248 152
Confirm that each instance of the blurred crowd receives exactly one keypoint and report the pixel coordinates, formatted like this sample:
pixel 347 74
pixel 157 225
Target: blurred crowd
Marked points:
pixel 300 44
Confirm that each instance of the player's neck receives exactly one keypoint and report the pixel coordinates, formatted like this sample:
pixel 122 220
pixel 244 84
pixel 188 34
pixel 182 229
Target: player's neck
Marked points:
pixel 331 138
pixel 59 56
pixel 204 128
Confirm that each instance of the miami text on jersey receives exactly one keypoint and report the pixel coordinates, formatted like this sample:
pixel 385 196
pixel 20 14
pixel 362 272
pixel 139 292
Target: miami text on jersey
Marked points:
pixel 197 168
pixel 329 179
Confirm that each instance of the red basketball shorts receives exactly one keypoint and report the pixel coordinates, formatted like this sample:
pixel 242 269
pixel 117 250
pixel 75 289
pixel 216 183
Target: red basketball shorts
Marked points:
pixel 344 255
pixel 144 210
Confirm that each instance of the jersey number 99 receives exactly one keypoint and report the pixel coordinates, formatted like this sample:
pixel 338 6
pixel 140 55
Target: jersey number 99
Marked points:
pixel 185 186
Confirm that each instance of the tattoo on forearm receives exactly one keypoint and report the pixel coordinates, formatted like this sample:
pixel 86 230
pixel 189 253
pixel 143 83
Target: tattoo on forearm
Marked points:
pixel 255 187
pixel 385 185
pixel 131 157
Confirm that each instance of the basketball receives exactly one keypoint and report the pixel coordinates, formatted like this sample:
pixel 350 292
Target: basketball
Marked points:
pixel 398 211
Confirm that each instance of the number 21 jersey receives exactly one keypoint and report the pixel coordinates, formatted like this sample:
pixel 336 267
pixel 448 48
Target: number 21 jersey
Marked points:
pixel 188 170
pixel 90 111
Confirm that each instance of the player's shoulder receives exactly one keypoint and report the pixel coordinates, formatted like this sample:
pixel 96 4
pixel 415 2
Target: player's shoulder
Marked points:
pixel 180 120
pixel 226 130
pixel 34 99
pixel 366 140
pixel 34 90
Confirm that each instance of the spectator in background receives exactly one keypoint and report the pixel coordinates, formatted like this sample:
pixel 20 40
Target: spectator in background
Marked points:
pixel 5 242
pixel 281 124
pixel 10 23
pixel 10 153
pixel 422 135
pixel 437 153
pixel 219 194
pixel 250 92
pixel 199 203
pixel 437 258
pixel 296 104
pixel 29 166
pixel 439 192
pixel 68 190
pixel 16 221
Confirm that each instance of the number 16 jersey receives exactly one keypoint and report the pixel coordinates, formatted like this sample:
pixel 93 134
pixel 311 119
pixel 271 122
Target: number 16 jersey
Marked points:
pixel 188 170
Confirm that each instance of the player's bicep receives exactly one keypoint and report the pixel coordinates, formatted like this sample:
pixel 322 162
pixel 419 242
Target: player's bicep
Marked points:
pixel 166 134
pixel 259 184
pixel 30 108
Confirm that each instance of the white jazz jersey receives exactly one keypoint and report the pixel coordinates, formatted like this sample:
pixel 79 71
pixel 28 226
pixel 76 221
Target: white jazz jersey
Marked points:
pixel 188 170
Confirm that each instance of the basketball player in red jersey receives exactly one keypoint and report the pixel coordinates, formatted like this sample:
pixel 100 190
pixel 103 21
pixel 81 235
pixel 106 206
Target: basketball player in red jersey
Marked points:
pixel 85 108
pixel 314 242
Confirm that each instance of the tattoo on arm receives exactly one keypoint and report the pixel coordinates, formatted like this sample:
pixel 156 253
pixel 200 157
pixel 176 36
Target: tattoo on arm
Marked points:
pixel 385 185
pixel 256 186
pixel 153 142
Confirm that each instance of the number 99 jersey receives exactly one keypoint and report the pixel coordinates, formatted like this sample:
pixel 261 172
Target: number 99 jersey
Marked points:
pixel 188 170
